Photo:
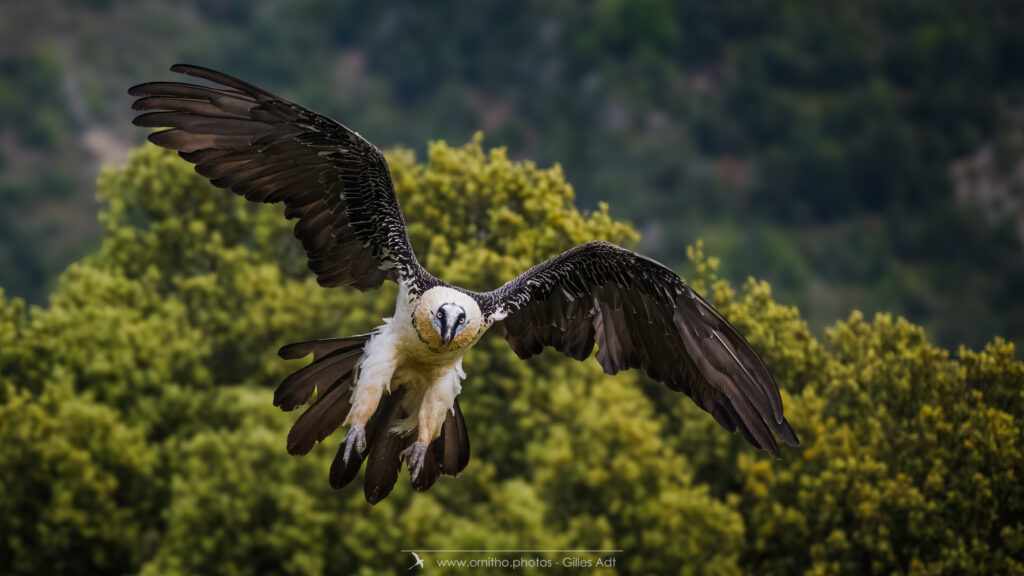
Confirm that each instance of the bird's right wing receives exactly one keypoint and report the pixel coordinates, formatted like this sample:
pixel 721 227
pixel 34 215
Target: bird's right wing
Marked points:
pixel 640 314
pixel 268 149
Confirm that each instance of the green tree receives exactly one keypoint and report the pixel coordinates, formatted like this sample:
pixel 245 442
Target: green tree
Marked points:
pixel 911 460
pixel 78 485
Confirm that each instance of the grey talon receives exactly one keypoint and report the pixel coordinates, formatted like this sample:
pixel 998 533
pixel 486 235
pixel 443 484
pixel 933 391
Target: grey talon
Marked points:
pixel 356 438
pixel 415 455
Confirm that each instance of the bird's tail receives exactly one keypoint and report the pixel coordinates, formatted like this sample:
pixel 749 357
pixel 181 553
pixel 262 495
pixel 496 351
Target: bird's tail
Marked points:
pixel 448 454
pixel 331 375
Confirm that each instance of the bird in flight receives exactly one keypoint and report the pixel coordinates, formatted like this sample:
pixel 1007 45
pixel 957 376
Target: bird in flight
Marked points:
pixel 396 388
pixel 419 562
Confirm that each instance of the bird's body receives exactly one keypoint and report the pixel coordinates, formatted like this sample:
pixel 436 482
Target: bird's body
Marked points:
pixel 397 388
pixel 406 351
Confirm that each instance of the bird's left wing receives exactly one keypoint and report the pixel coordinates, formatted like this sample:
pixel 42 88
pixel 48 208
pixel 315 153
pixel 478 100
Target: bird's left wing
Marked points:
pixel 268 149
pixel 640 314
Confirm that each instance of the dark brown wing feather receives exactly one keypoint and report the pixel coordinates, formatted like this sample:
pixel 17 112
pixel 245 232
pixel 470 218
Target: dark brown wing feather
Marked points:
pixel 268 149
pixel 452 446
pixel 384 460
pixel 642 315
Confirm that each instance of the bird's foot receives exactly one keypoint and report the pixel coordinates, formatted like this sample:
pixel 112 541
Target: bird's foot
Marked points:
pixel 415 455
pixel 355 439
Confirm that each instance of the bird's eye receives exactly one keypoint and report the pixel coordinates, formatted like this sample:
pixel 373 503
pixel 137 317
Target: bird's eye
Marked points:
pixel 462 320
pixel 439 314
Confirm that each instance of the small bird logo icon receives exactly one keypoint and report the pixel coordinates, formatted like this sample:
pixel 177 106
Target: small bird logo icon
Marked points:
pixel 419 561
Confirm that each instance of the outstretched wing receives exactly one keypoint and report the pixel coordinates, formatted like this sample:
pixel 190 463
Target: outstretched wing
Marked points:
pixel 270 150
pixel 642 315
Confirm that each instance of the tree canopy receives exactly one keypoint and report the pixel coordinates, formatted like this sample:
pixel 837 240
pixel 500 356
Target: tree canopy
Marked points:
pixel 137 433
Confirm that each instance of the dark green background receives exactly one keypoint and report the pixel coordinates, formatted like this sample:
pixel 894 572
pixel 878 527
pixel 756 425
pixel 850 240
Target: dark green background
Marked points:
pixel 811 144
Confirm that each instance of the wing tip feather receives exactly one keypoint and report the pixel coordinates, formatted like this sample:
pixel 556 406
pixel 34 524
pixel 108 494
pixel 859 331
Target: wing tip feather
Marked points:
pixel 138 90
pixel 294 351
pixel 786 434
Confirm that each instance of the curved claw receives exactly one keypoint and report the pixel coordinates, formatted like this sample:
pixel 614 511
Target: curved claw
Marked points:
pixel 415 455
pixel 356 438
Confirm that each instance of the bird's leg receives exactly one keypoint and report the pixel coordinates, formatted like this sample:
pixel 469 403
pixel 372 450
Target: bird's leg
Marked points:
pixel 436 402
pixel 374 378
pixel 365 399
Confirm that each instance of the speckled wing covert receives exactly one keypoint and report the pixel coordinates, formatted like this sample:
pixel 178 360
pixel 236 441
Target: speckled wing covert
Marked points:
pixel 642 315
pixel 270 150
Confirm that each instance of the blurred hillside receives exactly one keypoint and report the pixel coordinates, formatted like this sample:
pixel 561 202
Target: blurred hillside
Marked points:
pixel 855 154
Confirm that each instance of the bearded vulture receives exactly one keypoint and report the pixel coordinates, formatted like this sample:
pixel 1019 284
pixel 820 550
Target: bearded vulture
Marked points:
pixel 396 387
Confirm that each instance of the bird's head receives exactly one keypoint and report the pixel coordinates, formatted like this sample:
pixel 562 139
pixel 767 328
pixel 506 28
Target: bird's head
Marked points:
pixel 449 320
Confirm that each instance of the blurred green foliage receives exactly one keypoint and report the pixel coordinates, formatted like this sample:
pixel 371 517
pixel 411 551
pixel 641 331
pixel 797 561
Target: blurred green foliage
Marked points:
pixel 809 144
pixel 137 433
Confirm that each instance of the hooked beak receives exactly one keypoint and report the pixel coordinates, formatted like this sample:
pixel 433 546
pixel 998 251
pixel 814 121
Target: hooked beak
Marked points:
pixel 447 328
pixel 448 322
